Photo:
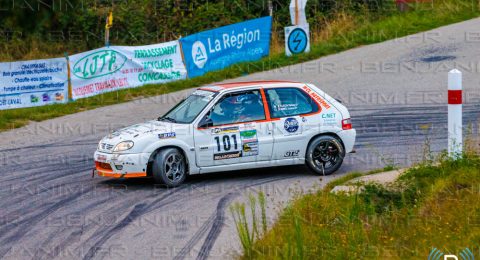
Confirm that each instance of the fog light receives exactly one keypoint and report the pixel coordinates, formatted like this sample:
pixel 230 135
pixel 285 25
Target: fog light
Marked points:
pixel 119 167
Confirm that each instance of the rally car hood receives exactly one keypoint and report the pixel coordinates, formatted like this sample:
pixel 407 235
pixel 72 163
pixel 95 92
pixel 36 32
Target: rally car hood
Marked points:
pixel 144 132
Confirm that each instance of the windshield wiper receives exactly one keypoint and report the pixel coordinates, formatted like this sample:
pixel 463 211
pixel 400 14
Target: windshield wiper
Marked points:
pixel 166 118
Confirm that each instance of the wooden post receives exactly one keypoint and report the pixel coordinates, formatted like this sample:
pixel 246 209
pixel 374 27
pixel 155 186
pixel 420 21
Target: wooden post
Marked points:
pixel 296 12
pixel 69 79
pixel 108 25
pixel 107 37
pixel 183 56
pixel 270 7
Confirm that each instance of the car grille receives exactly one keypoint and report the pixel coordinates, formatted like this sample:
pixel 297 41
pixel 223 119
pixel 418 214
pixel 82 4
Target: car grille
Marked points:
pixel 106 147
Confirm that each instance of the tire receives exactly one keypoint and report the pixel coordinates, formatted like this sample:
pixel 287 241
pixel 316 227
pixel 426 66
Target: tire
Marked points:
pixel 169 167
pixel 325 155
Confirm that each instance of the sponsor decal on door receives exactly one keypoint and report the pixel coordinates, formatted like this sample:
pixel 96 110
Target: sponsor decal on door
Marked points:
pixel 232 143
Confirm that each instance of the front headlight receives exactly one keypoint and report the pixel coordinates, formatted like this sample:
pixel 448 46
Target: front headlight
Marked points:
pixel 123 146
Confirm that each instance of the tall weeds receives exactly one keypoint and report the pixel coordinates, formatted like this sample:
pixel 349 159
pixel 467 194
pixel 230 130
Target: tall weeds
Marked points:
pixel 247 231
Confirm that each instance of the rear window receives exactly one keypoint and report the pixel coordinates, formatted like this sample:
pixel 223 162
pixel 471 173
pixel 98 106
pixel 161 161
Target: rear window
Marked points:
pixel 284 102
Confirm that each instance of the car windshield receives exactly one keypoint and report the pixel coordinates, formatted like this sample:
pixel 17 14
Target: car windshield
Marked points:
pixel 187 110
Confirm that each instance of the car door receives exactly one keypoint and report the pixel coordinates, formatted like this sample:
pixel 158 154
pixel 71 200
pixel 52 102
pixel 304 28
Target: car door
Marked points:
pixel 234 130
pixel 288 109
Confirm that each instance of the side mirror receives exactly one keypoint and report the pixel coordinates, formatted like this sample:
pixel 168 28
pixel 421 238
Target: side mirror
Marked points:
pixel 206 122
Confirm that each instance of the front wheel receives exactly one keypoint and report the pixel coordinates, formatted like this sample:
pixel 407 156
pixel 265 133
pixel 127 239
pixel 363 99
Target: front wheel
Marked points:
pixel 325 155
pixel 169 167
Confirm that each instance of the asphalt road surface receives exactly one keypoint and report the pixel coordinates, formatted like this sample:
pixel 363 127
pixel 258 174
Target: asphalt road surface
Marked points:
pixel 50 206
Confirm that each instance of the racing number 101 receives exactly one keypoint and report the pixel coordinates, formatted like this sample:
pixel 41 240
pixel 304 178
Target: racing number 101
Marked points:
pixel 226 142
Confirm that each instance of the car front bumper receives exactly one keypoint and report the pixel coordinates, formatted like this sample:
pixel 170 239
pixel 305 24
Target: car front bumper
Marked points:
pixel 121 165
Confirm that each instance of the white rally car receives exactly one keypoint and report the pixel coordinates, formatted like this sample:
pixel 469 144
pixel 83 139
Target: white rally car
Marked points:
pixel 233 126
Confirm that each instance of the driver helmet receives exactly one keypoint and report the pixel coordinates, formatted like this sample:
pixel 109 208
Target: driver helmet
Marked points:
pixel 233 106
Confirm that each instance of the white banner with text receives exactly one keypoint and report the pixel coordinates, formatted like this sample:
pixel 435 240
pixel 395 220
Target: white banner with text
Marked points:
pixel 120 67
pixel 33 83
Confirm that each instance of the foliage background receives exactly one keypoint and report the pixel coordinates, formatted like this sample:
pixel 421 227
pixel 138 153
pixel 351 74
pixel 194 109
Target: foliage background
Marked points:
pixel 32 29
pixel 335 26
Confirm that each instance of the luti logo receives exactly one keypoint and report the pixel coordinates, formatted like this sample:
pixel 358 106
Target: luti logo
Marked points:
pixel 199 54
pixel 99 64
pixel 465 254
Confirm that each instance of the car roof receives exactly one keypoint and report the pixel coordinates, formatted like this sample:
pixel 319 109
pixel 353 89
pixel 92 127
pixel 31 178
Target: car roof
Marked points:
pixel 261 83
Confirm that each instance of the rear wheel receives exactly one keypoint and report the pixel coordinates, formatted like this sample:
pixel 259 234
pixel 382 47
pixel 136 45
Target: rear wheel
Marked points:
pixel 169 167
pixel 325 155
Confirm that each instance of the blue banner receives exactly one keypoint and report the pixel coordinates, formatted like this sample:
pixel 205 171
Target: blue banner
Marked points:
pixel 219 48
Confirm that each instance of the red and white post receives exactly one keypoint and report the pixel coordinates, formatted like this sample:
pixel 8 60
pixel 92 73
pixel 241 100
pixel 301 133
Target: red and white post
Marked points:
pixel 455 140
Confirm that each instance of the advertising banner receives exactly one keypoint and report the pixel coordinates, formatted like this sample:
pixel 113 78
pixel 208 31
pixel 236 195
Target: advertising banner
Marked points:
pixel 219 48
pixel 119 67
pixel 33 83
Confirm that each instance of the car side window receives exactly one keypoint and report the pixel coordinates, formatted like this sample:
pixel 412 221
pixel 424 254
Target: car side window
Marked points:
pixel 238 108
pixel 285 102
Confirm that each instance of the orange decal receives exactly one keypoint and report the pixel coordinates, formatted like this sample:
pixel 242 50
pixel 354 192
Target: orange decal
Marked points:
pixel 120 175
pixel 316 97
pixel 265 105
pixel 253 83
pixel 106 171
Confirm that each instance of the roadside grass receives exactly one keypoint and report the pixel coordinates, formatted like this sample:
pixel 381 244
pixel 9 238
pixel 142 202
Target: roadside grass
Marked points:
pixel 433 205
pixel 248 234
pixel 248 228
pixel 344 31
